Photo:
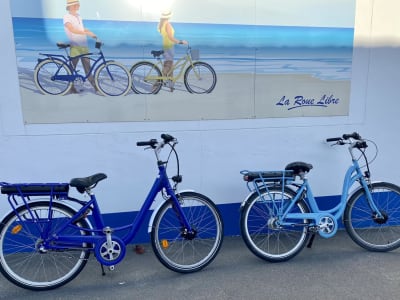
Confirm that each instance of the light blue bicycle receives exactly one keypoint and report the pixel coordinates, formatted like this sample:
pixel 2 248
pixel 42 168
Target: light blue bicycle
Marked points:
pixel 280 215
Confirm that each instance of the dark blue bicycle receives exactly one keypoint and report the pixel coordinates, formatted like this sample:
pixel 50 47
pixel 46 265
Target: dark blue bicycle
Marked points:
pixel 55 74
pixel 45 243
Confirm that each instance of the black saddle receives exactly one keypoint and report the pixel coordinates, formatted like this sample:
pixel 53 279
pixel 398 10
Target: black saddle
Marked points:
pixel 299 167
pixel 157 53
pixel 63 45
pixel 81 184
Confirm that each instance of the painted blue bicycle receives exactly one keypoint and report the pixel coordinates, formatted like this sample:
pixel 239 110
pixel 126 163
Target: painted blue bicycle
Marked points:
pixel 45 243
pixel 55 74
pixel 280 215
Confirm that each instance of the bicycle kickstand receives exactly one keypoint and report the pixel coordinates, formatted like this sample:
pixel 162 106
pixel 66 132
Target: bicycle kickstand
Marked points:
pixel 103 272
pixel 311 240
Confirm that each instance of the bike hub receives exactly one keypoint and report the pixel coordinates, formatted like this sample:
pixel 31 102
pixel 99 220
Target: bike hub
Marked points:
pixel 189 235
pixel 273 223
pixel 380 219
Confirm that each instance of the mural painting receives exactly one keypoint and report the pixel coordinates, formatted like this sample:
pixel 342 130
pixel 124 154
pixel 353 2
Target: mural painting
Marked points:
pixel 153 60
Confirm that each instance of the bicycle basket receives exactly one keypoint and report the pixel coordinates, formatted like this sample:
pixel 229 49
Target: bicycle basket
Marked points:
pixel 195 54
pixel 98 44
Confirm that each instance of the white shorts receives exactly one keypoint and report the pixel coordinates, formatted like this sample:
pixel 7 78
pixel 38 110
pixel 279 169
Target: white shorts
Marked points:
pixel 169 54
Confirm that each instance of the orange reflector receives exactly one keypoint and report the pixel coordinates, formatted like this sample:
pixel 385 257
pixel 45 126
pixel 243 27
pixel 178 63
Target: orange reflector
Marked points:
pixel 164 244
pixel 16 229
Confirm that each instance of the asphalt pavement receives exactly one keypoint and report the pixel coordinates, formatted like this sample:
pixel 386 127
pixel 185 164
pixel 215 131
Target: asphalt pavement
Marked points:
pixel 334 268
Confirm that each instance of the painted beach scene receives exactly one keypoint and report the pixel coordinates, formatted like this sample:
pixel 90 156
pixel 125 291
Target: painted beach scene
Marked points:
pixel 262 70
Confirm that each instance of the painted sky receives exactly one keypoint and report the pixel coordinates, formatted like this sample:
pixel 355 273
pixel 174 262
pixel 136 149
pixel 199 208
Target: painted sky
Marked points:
pixel 316 13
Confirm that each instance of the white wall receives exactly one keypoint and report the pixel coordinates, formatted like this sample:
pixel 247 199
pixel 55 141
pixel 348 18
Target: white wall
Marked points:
pixel 212 152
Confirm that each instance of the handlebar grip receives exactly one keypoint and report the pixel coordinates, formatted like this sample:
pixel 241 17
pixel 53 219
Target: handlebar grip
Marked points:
pixel 150 143
pixel 353 135
pixel 334 139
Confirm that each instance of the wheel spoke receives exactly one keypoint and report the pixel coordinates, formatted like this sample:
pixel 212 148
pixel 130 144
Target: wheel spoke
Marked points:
pixel 262 233
pixel 183 251
pixel 366 227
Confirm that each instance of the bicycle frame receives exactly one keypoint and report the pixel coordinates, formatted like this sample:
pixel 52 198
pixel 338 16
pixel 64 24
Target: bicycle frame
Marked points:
pixel 68 61
pixel 181 63
pixel 352 175
pixel 99 232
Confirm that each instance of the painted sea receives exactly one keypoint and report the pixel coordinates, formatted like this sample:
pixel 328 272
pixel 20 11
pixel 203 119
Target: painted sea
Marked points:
pixel 324 53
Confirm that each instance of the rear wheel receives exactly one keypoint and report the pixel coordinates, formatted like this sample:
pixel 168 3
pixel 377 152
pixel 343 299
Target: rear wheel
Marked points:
pixel 180 250
pixel 45 77
pixel 372 230
pixel 26 260
pixel 260 227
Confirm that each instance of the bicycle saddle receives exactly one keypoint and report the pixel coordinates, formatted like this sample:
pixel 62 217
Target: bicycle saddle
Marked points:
pixel 299 167
pixel 157 53
pixel 62 45
pixel 81 184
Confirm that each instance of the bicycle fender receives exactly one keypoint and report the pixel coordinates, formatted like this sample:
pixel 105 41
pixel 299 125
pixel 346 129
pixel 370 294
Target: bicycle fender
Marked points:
pixel 247 198
pixel 289 187
pixel 153 215
pixel 255 192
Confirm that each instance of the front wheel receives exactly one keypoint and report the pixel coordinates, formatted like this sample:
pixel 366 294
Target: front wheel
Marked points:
pixel 180 250
pixel 146 78
pixel 25 258
pixel 200 78
pixel 372 230
pixel 261 229
pixel 113 79
pixel 46 73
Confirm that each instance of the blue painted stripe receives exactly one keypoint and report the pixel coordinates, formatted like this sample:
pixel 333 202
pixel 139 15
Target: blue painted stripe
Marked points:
pixel 230 215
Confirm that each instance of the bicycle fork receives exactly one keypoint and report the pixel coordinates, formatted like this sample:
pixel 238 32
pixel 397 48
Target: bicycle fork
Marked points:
pixel 187 232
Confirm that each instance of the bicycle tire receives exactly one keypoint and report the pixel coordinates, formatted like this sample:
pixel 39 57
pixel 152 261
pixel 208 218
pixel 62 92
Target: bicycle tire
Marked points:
pixel 142 74
pixel 187 254
pixel 23 262
pixel 113 79
pixel 200 78
pixel 257 221
pixel 43 77
pixel 362 224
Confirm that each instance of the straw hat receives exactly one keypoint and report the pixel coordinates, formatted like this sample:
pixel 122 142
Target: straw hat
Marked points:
pixel 166 14
pixel 72 2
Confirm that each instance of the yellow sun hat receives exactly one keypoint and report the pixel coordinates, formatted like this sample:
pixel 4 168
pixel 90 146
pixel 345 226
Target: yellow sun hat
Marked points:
pixel 166 14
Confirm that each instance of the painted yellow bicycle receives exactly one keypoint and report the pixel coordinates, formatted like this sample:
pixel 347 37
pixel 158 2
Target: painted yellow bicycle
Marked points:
pixel 198 77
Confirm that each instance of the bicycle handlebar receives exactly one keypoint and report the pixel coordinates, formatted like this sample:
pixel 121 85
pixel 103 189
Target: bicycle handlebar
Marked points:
pixel 355 141
pixel 153 142
pixel 345 136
